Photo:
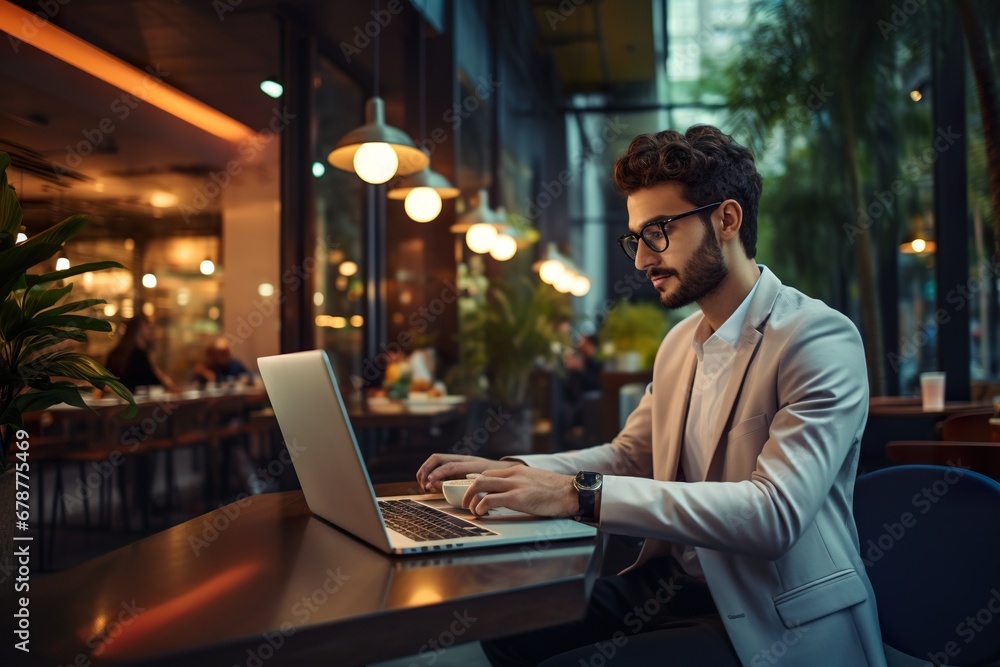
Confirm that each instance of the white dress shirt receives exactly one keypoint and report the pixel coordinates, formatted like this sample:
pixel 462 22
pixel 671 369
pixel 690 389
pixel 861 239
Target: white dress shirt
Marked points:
pixel 716 352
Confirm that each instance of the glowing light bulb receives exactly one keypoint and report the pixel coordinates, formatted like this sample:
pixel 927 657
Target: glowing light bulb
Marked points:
pixel 918 245
pixel 149 280
pixel 564 283
pixel 207 267
pixel 62 264
pixel 348 268
pixel 480 237
pixel 580 286
pixel 503 248
pixel 550 271
pixel 376 162
pixel 422 204
pixel 318 169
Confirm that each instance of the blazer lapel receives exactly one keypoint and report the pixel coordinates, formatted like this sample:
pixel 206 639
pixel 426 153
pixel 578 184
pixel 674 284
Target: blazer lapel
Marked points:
pixel 750 337
pixel 675 419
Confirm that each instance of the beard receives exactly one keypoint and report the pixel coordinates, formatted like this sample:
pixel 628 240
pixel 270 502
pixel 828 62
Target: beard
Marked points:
pixel 702 275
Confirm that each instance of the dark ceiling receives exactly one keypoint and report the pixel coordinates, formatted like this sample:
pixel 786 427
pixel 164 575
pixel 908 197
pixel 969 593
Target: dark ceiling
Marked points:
pixel 49 112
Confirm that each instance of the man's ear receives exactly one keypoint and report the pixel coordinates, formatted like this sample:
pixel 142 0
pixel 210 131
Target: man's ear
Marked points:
pixel 732 219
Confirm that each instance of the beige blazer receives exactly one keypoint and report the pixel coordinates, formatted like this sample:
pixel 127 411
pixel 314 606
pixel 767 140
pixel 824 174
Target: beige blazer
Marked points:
pixel 772 523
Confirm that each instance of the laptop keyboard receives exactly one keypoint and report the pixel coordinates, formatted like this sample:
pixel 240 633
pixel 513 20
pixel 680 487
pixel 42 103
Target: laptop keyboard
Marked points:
pixel 423 524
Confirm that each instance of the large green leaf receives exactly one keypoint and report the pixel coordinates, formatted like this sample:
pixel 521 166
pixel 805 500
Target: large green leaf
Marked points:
pixel 48 337
pixel 59 233
pixel 81 367
pixel 39 298
pixel 72 271
pixel 15 261
pixel 10 210
pixel 32 401
pixel 81 322
pixel 11 318
pixel 71 307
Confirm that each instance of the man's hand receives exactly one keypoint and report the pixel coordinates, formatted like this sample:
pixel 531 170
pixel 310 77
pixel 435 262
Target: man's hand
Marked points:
pixel 524 489
pixel 440 467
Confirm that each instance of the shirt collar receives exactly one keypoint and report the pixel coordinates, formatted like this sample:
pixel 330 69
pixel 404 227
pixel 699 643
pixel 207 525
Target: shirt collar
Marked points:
pixel 729 332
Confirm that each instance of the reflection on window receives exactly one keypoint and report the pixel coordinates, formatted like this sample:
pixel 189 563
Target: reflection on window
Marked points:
pixel 340 294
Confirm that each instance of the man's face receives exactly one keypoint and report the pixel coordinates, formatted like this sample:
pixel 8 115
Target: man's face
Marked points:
pixel 692 266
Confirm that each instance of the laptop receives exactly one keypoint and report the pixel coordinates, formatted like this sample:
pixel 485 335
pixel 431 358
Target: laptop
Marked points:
pixel 311 414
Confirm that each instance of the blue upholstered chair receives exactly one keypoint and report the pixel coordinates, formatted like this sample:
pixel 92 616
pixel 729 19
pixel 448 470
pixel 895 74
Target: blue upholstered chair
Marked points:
pixel 930 540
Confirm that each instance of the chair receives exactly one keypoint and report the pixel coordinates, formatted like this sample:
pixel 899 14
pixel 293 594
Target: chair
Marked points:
pixel 982 457
pixel 611 384
pixel 224 429
pixel 968 426
pixel 929 544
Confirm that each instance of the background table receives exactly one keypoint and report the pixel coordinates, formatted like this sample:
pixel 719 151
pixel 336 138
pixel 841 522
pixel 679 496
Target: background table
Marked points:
pixel 901 418
pixel 265 573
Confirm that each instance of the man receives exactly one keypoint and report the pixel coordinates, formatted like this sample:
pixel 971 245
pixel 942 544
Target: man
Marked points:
pixel 219 365
pixel 738 465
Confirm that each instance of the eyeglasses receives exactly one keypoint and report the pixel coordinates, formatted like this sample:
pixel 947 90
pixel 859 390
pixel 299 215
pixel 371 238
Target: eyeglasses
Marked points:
pixel 654 233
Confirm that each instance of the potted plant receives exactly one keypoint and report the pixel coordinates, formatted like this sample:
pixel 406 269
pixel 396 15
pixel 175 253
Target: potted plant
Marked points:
pixel 508 330
pixel 36 372
pixel 632 333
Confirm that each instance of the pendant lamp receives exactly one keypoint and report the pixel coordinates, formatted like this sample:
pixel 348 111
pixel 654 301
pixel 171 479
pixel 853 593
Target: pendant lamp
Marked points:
pixel 505 245
pixel 478 225
pixel 920 240
pixel 423 191
pixel 375 151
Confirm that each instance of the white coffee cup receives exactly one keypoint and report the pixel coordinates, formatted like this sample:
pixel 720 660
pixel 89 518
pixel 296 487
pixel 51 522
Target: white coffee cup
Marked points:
pixel 932 390
pixel 454 490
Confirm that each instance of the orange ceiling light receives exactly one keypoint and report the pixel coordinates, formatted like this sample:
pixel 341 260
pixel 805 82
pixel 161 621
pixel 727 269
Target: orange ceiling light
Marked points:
pixel 92 60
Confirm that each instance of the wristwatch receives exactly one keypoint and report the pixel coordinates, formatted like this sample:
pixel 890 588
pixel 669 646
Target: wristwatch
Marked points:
pixel 588 488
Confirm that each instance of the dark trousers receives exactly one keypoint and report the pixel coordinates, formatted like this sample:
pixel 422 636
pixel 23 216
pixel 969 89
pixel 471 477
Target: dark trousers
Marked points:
pixel 653 614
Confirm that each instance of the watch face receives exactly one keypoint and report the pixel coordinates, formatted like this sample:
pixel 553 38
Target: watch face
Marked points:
pixel 588 480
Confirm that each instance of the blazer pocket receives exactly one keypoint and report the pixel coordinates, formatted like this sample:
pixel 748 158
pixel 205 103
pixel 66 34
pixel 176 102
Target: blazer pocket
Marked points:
pixel 746 427
pixel 821 597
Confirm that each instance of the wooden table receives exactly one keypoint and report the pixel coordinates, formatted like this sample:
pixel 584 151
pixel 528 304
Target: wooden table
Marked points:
pixel 901 418
pixel 265 578
pixel 983 457
pixel 913 408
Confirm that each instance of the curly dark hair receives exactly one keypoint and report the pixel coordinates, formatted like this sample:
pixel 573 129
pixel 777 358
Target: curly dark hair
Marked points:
pixel 708 165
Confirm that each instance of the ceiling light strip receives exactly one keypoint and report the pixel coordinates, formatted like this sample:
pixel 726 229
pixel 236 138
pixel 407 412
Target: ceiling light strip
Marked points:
pixel 85 56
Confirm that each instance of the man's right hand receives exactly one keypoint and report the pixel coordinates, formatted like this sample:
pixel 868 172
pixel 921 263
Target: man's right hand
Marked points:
pixel 440 467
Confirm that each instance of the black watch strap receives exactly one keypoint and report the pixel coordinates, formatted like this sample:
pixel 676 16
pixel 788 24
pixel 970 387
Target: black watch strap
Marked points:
pixel 588 486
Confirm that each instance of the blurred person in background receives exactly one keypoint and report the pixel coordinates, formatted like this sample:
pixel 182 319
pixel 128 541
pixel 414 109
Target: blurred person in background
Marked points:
pixel 131 361
pixel 219 364
pixel 582 380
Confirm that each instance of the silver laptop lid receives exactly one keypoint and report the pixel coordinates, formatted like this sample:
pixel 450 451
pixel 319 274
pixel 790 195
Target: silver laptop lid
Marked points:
pixel 302 388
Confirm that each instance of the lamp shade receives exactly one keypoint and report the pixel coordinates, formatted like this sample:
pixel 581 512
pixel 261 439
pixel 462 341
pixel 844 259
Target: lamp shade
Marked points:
pixel 919 241
pixel 377 138
pixel 422 193
pixel 481 213
pixel 425 178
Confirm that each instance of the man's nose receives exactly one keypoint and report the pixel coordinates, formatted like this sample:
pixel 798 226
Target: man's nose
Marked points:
pixel 644 257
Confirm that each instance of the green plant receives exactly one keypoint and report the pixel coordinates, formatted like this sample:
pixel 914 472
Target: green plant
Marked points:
pixel 636 327
pixel 506 330
pixel 35 372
